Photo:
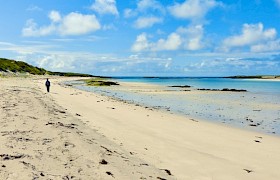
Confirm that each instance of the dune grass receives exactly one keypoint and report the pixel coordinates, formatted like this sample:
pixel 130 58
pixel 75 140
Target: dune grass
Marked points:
pixel 13 66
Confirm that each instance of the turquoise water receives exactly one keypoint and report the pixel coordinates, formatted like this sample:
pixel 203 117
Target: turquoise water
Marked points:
pixel 260 86
pixel 259 106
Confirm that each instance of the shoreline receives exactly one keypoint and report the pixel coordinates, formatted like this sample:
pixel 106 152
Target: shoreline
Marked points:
pixel 153 142
pixel 263 79
pixel 221 107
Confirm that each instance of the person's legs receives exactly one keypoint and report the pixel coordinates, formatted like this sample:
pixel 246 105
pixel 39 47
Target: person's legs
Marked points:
pixel 48 88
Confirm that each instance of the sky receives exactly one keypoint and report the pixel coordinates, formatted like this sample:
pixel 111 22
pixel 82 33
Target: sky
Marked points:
pixel 144 37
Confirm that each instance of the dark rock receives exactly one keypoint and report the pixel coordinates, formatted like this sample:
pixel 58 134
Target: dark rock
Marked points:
pixel 185 86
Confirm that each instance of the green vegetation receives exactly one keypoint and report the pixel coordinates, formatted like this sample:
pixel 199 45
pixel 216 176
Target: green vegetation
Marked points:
pixel 7 65
pixel 99 82
pixel 19 67
pixel 69 74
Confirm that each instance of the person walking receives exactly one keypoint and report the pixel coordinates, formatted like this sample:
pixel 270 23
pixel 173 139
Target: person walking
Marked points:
pixel 48 84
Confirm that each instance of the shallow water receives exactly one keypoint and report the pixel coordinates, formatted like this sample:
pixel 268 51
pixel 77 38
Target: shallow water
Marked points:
pixel 257 110
pixel 252 85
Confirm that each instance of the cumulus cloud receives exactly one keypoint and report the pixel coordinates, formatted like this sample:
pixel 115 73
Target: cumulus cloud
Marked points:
pixel 145 22
pixel 71 24
pixel 172 42
pixel 192 9
pixel 252 34
pixel 56 62
pixel 188 38
pixel 193 36
pixel 76 24
pixel 149 12
pixel 141 43
pixel 55 16
pixel 105 7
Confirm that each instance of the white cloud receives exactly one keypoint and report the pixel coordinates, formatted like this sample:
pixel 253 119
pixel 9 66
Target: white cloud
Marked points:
pixel 51 58
pixel 54 16
pixel 145 22
pixel 105 7
pixel 252 34
pixel 172 42
pixel 192 9
pixel 141 43
pixel 76 24
pixel 153 13
pixel 71 24
pixel 144 5
pixel 31 29
pixel 192 37
pixel 56 62
pixel 266 47
pixel 189 38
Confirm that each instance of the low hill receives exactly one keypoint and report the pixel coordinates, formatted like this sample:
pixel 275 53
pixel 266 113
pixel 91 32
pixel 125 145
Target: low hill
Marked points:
pixel 19 67
pixel 7 65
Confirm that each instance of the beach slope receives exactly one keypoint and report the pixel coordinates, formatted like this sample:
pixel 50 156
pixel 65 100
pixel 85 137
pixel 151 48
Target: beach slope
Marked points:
pixel 39 139
pixel 69 133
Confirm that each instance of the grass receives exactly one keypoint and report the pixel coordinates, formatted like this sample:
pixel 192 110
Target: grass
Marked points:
pixel 7 65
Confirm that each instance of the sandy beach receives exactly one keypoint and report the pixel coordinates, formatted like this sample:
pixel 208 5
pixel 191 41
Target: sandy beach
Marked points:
pixel 74 134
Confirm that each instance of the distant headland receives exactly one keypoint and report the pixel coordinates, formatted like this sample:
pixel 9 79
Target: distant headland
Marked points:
pixel 255 77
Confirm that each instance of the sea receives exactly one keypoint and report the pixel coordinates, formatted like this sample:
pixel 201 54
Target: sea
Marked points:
pixel 253 85
pixel 258 109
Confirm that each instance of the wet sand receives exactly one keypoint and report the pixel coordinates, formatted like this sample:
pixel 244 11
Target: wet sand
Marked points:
pixel 252 111
pixel 69 133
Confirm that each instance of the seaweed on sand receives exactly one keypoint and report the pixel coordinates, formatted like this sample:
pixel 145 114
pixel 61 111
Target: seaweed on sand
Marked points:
pixel 99 82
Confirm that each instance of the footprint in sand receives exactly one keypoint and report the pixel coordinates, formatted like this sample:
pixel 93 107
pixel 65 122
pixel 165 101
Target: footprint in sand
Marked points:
pixel 68 145
pixel 110 174
pixel 248 170
pixel 103 162
pixel 167 171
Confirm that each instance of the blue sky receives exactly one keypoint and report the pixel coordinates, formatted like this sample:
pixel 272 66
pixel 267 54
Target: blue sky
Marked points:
pixel 144 37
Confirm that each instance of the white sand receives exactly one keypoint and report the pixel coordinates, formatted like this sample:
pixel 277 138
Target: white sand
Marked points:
pixel 149 141
pixel 42 140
